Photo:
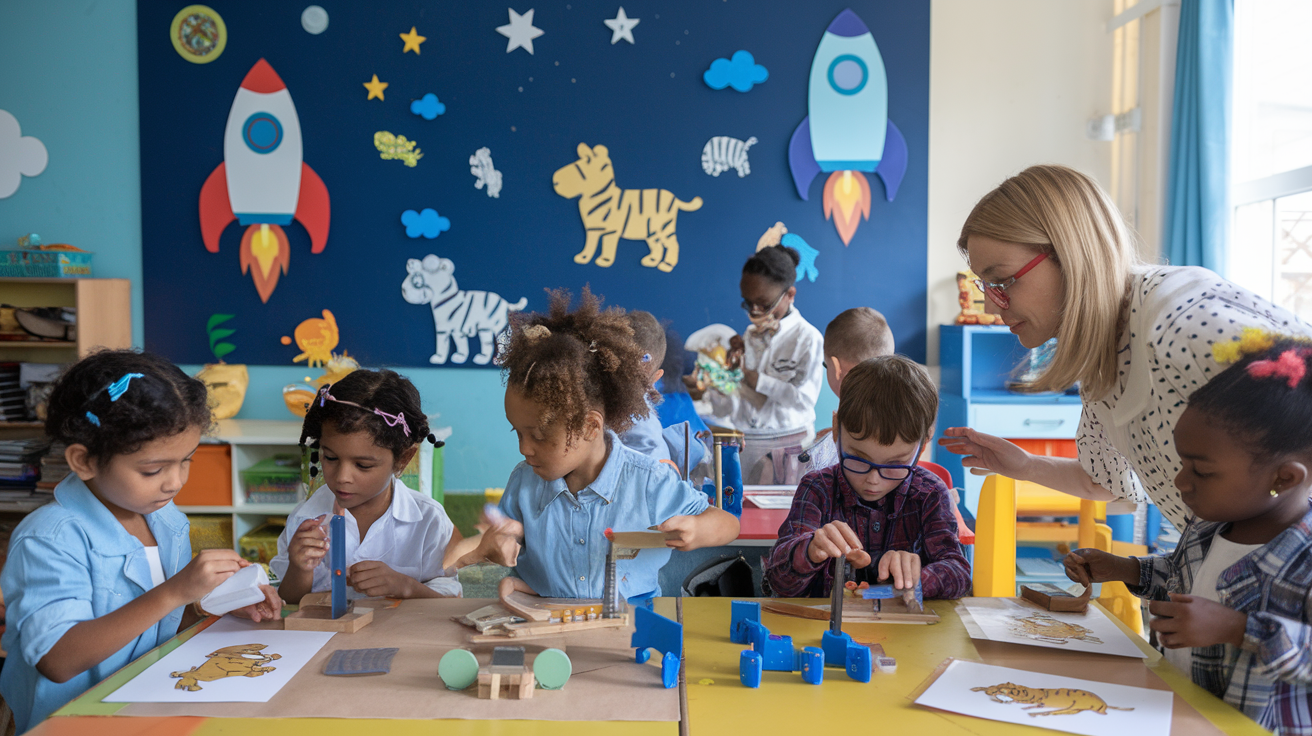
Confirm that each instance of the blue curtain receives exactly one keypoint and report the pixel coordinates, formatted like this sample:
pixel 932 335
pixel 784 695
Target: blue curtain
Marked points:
pixel 1197 209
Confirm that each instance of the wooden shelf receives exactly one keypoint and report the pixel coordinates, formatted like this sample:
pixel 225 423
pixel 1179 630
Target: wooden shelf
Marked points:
pixel 26 506
pixel 65 344
pixel 251 509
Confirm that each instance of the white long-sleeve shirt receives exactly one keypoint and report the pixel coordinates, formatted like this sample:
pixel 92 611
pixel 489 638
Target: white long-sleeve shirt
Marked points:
pixel 1176 315
pixel 410 537
pixel 791 364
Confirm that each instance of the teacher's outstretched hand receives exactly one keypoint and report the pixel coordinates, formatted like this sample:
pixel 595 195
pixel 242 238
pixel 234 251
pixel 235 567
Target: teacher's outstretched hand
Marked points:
pixel 985 454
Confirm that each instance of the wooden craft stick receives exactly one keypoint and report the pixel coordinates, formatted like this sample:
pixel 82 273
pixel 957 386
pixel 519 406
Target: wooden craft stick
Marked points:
pixel 638 540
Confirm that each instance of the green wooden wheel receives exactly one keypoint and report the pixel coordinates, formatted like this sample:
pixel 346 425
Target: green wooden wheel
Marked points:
pixel 459 669
pixel 552 669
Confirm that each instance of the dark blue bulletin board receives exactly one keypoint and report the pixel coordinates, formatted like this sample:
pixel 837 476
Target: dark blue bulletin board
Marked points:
pixel 646 102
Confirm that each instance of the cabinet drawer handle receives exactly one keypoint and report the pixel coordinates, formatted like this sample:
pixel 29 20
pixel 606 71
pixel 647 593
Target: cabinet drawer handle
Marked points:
pixel 1044 422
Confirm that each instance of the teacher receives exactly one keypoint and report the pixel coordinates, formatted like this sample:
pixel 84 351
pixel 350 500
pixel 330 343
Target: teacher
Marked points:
pixel 1055 259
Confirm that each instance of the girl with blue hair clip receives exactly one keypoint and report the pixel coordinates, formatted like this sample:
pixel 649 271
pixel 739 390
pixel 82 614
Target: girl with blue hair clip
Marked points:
pixel 104 573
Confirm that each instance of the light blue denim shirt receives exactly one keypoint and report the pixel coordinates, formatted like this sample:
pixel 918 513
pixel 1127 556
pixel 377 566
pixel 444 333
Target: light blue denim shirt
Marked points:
pixel 646 437
pixel 71 561
pixel 564 553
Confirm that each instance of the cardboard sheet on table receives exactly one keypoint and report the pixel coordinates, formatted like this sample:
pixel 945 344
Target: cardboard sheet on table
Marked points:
pixel 607 685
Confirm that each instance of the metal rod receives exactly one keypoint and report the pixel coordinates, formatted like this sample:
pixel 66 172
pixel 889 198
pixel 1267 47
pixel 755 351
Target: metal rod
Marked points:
pixel 836 595
pixel 684 726
pixel 686 470
pixel 719 473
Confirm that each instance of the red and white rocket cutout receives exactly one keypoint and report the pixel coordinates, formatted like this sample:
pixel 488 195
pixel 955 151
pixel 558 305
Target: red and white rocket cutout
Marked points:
pixel 263 183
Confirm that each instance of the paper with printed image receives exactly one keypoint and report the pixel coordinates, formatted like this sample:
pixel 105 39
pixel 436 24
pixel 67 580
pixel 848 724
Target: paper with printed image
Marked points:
pixel 1048 701
pixel 232 661
pixel 1021 622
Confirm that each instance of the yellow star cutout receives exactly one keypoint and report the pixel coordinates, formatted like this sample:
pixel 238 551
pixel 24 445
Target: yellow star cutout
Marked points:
pixel 412 40
pixel 375 89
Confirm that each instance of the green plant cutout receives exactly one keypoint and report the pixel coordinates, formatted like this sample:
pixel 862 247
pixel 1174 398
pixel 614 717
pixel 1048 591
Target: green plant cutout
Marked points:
pixel 217 333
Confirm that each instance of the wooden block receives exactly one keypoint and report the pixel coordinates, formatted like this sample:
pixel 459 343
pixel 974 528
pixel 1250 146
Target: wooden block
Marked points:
pixel 531 630
pixel 879 611
pixel 536 608
pixel 638 540
pixel 526 686
pixel 318 618
pixel 1052 598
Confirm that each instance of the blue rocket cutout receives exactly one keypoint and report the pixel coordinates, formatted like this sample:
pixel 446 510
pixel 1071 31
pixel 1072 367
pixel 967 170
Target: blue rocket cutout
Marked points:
pixel 847 128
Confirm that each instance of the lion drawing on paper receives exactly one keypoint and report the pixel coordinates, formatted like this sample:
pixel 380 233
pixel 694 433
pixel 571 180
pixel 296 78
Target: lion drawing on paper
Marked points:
pixel 610 213
pixel 457 315
pixel 1045 628
pixel 1064 701
pixel 238 660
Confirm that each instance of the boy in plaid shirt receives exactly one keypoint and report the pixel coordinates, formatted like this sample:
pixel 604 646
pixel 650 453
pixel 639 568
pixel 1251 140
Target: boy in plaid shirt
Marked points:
pixel 1231 602
pixel 888 517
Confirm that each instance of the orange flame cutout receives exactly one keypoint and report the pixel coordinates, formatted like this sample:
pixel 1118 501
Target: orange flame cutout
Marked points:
pixel 265 247
pixel 847 193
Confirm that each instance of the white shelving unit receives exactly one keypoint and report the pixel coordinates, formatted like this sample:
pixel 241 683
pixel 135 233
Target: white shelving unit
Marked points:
pixel 252 440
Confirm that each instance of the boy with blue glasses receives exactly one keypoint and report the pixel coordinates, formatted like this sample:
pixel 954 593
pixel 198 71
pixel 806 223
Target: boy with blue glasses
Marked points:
pixel 891 519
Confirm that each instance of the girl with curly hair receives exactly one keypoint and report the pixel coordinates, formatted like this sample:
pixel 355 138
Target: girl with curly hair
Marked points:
pixel 573 380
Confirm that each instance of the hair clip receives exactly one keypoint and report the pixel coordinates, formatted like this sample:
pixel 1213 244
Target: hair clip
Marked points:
pixel 119 387
pixel 535 332
pixel 646 357
pixel 592 346
pixel 529 372
pixel 93 419
pixel 1290 365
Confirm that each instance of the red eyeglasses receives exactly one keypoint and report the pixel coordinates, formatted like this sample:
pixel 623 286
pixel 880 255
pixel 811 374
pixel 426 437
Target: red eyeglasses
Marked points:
pixel 997 291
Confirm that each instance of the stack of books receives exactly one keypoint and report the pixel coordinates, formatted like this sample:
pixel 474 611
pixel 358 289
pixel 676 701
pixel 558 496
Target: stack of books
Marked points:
pixel 20 467
pixel 53 468
pixel 13 397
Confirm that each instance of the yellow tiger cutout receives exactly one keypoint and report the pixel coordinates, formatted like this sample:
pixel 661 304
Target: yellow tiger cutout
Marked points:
pixel 239 660
pixel 1065 701
pixel 1045 628
pixel 610 213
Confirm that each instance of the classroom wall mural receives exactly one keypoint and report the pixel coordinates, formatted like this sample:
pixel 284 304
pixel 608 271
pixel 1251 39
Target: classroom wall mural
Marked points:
pixel 641 150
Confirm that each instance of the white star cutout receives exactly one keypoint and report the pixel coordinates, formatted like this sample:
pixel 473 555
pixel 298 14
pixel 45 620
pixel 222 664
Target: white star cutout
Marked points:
pixel 520 31
pixel 622 27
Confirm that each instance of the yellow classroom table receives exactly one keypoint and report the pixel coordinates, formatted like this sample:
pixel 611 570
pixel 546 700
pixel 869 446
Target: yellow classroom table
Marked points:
pixel 717 701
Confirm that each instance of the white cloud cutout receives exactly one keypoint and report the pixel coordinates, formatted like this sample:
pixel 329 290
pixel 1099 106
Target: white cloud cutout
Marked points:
pixel 20 155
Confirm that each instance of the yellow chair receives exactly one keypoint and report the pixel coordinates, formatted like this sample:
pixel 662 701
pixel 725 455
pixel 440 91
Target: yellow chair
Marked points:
pixel 997 532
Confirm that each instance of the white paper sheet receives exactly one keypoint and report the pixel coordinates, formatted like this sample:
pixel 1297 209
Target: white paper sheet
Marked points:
pixel 294 649
pixel 1020 622
pixel 1035 699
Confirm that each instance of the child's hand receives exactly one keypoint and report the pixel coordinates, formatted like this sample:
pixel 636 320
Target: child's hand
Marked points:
pixel 903 567
pixel 1088 566
pixel 1193 621
pixel 836 539
pixel 309 544
pixel 510 584
pixel 204 573
pixel 681 532
pixel 269 609
pixel 376 579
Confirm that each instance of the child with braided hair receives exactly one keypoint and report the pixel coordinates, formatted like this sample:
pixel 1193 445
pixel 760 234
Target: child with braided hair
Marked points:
pixel 573 380
pixel 365 429
pixel 1231 601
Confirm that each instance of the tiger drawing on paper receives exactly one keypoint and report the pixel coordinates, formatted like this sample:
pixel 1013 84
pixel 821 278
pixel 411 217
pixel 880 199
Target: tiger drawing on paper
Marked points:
pixel 1045 628
pixel 1064 701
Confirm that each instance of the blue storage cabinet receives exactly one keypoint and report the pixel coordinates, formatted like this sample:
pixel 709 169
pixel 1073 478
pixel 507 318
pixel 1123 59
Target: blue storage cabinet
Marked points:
pixel 976 361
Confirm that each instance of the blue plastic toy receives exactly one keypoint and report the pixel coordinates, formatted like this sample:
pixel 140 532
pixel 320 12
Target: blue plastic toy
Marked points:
pixel 654 631
pixel 769 651
pixel 886 590
pixel 839 649
pixel 337 560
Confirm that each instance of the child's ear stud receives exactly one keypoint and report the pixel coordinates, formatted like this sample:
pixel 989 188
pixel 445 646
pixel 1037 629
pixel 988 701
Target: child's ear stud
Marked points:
pixel 1274 492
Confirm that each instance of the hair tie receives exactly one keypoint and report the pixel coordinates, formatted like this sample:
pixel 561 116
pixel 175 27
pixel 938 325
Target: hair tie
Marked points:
pixel 536 332
pixel 1290 365
pixel 646 357
pixel 592 346
pixel 392 420
pixel 93 419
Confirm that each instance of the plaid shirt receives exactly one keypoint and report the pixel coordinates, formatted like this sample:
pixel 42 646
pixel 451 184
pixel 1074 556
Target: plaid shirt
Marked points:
pixel 1269 678
pixel 915 518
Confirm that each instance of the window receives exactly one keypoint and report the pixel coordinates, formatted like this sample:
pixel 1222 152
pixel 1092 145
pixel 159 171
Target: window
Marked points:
pixel 1271 152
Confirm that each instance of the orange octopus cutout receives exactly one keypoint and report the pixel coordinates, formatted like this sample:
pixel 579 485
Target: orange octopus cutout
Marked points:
pixel 316 338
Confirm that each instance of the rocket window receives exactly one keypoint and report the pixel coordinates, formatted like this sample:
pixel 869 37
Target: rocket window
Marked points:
pixel 262 132
pixel 848 74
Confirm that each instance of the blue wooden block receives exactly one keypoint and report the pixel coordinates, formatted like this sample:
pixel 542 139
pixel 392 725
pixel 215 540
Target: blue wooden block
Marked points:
pixel 337 561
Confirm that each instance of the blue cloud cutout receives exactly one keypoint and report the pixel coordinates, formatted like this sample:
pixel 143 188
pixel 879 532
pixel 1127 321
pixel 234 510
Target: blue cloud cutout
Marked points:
pixel 427 223
pixel 427 107
pixel 741 73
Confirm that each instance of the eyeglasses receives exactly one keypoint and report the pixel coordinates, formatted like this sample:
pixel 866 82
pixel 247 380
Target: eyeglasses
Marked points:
pixel 997 292
pixel 861 466
pixel 756 309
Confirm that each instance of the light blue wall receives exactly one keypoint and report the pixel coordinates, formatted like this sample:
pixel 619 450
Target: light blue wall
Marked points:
pixel 68 72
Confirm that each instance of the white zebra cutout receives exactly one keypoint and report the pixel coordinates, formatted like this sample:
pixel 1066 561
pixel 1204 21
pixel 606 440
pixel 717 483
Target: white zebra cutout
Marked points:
pixel 457 315
pixel 722 153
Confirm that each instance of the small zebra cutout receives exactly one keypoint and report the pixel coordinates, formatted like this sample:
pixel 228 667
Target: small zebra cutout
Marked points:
pixel 722 153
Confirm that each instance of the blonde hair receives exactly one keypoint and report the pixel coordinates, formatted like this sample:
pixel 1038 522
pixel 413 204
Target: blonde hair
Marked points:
pixel 1066 214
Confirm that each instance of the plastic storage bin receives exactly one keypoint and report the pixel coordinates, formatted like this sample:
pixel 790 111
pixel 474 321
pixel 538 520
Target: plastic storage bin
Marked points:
pixel 45 264
pixel 210 532
pixel 210 481
pixel 261 543
pixel 274 479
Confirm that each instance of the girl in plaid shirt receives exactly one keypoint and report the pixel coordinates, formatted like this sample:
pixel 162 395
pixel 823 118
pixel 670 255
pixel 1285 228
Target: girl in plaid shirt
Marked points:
pixel 1231 602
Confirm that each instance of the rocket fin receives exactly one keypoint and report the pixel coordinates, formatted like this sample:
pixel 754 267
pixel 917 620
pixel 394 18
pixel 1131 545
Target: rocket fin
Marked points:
pixel 801 159
pixel 893 166
pixel 215 210
pixel 312 208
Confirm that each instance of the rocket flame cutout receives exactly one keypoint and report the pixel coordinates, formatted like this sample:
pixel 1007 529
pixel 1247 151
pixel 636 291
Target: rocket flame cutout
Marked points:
pixel 847 130
pixel 263 183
